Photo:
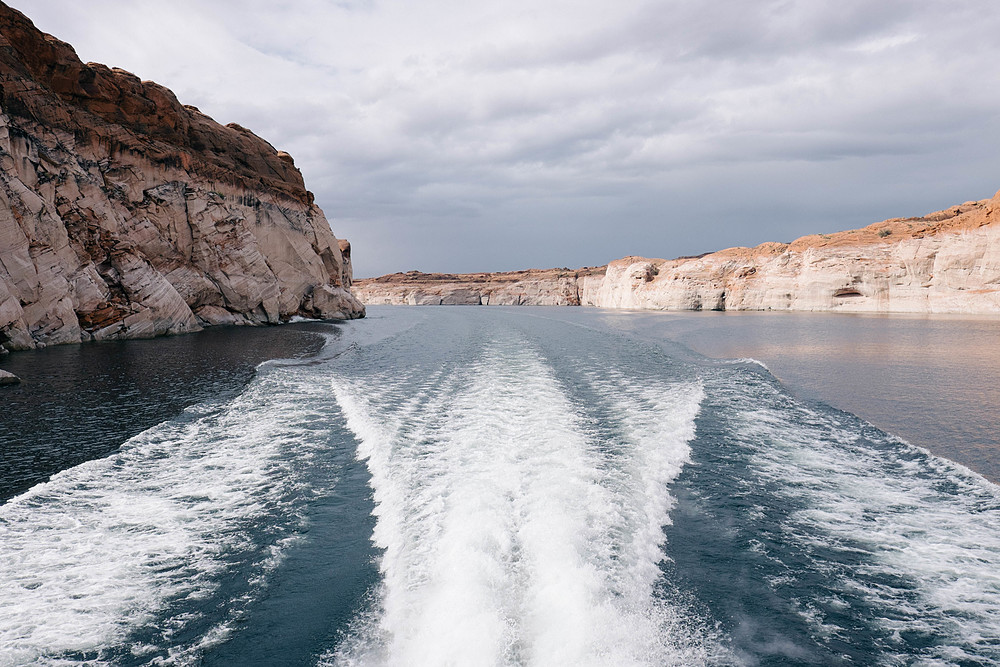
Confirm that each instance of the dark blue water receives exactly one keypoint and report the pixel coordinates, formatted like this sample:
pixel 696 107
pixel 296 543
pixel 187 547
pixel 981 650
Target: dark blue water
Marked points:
pixel 501 486
pixel 79 402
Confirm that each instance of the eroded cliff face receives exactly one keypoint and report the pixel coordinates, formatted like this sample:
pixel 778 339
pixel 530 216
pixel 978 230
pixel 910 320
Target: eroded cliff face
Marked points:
pixel 534 287
pixel 125 214
pixel 945 262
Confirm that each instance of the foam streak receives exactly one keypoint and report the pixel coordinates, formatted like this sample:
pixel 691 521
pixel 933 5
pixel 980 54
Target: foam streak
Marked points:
pixel 511 535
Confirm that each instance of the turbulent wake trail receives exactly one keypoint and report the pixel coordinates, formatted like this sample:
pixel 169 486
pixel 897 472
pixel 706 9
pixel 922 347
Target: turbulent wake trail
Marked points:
pixel 122 560
pixel 912 537
pixel 512 534
pixel 831 542
pixel 537 492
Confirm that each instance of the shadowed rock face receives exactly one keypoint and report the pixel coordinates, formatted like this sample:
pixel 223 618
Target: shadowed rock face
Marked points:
pixel 944 262
pixel 125 214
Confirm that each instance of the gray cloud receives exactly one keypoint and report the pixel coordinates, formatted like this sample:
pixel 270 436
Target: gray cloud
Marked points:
pixel 477 136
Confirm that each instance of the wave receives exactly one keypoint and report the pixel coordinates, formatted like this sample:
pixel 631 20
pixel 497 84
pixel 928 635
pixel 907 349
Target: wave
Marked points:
pixel 510 533
pixel 911 537
pixel 115 558
pixel 744 361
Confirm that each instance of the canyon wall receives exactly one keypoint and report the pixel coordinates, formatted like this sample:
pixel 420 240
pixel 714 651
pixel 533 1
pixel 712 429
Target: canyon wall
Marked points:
pixel 945 262
pixel 126 214
pixel 534 287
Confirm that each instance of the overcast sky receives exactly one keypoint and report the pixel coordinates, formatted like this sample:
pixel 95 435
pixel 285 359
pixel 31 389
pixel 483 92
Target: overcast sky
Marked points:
pixel 469 135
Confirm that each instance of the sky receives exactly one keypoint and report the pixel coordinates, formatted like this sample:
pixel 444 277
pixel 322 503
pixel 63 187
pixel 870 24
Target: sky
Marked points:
pixel 470 135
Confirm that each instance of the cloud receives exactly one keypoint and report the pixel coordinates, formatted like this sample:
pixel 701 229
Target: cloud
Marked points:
pixel 448 135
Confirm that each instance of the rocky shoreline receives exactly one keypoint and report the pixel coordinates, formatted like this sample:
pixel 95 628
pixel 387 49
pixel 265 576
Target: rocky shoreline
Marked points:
pixel 944 262
pixel 125 214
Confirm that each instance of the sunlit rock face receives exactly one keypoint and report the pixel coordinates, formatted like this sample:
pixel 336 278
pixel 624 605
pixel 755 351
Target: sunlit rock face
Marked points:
pixel 125 214
pixel 945 262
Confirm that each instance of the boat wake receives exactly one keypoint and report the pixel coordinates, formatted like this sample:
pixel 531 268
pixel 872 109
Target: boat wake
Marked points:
pixel 512 534
pixel 117 559
pixel 532 494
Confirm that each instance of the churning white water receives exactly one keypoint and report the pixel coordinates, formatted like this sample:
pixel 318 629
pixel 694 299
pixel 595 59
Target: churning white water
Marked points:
pixel 511 535
pixel 926 531
pixel 91 557
pixel 490 487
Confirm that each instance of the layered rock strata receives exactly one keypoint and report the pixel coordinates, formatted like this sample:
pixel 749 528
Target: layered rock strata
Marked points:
pixel 945 262
pixel 125 214
pixel 534 287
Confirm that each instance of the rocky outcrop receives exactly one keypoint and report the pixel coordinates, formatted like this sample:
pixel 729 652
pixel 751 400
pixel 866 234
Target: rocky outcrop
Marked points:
pixel 945 262
pixel 8 378
pixel 534 287
pixel 125 214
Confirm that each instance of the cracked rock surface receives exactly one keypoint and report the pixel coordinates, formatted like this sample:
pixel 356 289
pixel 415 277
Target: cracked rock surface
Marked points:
pixel 125 214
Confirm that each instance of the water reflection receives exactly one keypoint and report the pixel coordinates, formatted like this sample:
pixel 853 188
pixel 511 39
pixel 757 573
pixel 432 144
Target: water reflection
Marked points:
pixel 933 380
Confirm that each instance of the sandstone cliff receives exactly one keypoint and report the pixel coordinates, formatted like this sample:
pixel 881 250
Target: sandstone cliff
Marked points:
pixel 945 262
pixel 125 214
pixel 535 287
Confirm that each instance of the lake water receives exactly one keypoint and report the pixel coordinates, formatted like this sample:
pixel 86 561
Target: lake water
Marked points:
pixel 79 402
pixel 933 380
pixel 487 486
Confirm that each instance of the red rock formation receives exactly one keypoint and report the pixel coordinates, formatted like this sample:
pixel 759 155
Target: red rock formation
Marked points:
pixel 944 262
pixel 44 80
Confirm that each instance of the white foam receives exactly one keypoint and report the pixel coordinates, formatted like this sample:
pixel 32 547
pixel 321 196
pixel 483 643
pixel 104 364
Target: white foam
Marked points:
pixel 510 534
pixel 120 543
pixel 746 360
pixel 918 520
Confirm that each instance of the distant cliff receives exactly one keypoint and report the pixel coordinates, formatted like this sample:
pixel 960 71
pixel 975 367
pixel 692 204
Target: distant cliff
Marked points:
pixel 125 214
pixel 945 262
pixel 535 287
